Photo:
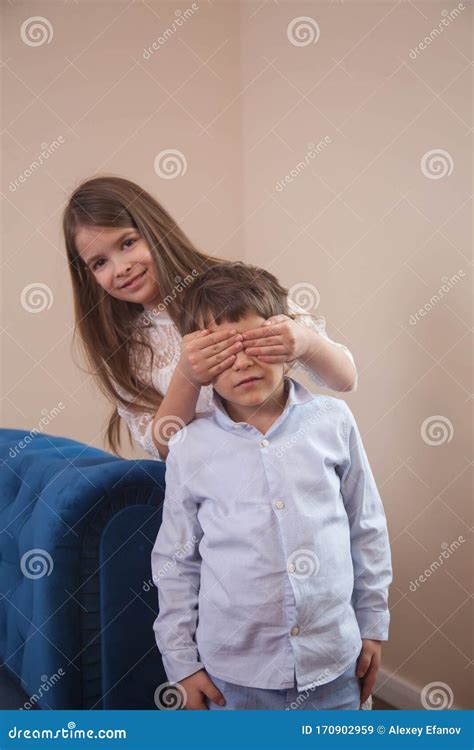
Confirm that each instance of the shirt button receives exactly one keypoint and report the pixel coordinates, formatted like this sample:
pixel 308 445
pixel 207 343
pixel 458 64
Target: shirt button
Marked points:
pixel 291 568
pixel 295 630
pixel 264 443
pixel 280 504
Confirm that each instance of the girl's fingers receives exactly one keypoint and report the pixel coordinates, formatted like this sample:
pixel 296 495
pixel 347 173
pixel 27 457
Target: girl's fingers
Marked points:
pixel 267 341
pixel 210 346
pixel 263 332
pixel 224 354
pixel 273 359
pixel 217 369
pixel 266 350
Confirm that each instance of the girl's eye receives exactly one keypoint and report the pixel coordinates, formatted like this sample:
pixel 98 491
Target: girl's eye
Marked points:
pixel 96 266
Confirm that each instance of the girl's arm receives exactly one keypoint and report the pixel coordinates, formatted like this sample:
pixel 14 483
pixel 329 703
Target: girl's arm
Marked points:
pixel 203 356
pixel 177 409
pixel 303 342
pixel 329 363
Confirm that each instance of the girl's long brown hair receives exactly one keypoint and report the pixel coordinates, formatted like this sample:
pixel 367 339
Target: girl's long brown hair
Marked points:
pixel 111 330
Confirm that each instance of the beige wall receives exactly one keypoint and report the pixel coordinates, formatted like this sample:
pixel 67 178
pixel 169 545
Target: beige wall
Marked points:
pixel 370 223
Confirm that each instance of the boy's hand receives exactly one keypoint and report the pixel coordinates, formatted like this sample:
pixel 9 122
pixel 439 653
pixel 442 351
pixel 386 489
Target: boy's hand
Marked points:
pixel 368 665
pixel 205 355
pixel 279 339
pixel 197 687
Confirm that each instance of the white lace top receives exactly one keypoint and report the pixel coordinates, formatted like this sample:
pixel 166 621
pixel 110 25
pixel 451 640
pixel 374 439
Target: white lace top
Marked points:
pixel 165 340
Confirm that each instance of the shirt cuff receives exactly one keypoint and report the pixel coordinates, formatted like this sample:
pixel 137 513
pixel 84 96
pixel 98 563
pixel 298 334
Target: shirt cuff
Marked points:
pixel 181 663
pixel 373 624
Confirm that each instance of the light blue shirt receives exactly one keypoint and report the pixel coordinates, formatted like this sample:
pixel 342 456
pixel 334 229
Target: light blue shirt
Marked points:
pixel 273 560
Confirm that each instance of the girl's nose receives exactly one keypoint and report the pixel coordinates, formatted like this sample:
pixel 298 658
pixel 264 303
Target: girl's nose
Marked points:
pixel 123 268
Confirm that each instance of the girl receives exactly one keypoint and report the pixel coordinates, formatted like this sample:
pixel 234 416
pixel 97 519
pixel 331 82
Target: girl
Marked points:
pixel 130 265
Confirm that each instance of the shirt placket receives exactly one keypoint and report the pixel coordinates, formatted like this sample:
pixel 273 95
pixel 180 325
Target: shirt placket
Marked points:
pixel 280 506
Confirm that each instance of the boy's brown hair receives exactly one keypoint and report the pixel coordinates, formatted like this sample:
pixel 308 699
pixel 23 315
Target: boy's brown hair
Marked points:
pixel 227 292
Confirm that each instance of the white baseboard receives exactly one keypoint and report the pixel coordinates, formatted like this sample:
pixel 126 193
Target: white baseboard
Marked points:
pixel 399 693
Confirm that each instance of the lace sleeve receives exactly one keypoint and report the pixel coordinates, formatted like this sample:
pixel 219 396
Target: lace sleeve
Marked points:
pixel 140 425
pixel 318 324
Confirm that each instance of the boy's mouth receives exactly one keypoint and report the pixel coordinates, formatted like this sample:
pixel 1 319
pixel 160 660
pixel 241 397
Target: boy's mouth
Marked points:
pixel 248 382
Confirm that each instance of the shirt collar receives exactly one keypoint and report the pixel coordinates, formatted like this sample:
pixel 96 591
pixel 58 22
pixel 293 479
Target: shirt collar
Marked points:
pixel 297 394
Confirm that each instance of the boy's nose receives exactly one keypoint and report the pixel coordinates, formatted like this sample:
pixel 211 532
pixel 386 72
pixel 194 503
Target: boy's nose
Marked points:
pixel 242 359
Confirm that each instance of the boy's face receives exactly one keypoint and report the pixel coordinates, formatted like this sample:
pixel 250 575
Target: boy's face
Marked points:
pixel 248 382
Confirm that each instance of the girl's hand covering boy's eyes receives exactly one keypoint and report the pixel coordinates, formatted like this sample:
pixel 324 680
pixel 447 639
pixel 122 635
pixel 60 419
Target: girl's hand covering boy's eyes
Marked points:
pixel 205 355
pixel 279 339
pixel 197 687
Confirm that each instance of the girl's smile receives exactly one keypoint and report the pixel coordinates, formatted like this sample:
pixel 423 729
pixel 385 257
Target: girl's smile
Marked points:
pixel 135 282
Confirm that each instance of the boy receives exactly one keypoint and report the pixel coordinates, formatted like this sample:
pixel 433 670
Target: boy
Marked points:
pixel 272 561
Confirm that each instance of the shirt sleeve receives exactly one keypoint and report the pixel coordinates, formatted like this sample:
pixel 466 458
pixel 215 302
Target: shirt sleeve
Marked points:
pixel 370 547
pixel 140 425
pixel 318 324
pixel 176 571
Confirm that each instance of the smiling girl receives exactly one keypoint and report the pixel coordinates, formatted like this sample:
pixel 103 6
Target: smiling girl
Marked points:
pixel 130 264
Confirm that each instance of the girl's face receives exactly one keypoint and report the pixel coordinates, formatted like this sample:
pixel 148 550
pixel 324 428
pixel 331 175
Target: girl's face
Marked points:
pixel 116 256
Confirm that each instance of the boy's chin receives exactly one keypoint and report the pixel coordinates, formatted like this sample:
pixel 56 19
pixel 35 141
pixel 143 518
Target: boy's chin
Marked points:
pixel 250 398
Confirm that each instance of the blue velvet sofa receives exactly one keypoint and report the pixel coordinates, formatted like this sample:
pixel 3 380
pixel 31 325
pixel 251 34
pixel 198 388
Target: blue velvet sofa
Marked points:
pixel 76 601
